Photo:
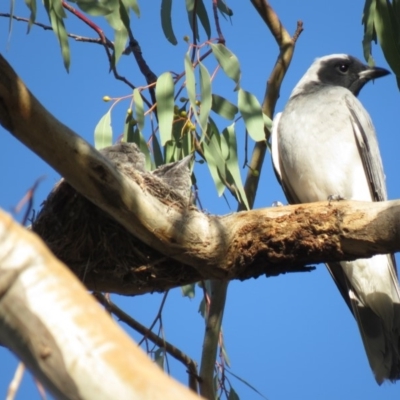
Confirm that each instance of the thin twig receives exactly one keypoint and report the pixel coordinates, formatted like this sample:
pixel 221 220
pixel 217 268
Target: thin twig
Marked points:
pixel 149 75
pixel 158 316
pixel 28 199
pixel 221 38
pixel 15 382
pixel 286 45
pixel 298 31
pixel 169 348
pixel 78 38
pixel 103 39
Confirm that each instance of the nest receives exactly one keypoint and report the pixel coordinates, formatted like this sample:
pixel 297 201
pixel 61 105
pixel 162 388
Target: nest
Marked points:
pixel 101 252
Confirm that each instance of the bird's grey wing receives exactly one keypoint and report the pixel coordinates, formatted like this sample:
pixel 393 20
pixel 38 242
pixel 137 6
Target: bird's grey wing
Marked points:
pixel 279 173
pixel 364 133
pixel 342 283
pixel 367 143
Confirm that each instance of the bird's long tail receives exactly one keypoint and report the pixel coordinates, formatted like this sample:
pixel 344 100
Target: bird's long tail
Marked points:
pixel 371 289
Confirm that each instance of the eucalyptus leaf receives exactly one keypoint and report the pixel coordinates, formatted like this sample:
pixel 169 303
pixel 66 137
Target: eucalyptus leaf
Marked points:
pixel 159 357
pixel 32 17
pixel 203 17
pixel 133 5
pixel 97 8
pixel 233 395
pixel 252 115
pixel 214 165
pixel 56 16
pixel 388 36
pixel 139 109
pixel 205 96
pixel 224 9
pixel 232 163
pixel 189 290
pixel 166 21
pixel 157 153
pixel 191 17
pixel 228 62
pixel 191 85
pixel 223 107
pixel 369 30
pixel 103 132
pixel 140 141
pixel 165 106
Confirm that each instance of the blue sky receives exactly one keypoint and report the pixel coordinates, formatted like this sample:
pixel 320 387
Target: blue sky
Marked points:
pixel 292 337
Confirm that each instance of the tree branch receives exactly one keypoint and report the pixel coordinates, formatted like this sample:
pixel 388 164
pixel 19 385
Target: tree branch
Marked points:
pixel 236 246
pixel 286 48
pixel 58 330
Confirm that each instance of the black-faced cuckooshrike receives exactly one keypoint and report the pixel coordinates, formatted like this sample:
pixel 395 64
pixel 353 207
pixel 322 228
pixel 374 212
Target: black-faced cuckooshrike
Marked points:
pixel 324 144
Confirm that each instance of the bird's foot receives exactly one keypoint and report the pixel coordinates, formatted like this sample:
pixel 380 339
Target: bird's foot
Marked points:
pixel 335 197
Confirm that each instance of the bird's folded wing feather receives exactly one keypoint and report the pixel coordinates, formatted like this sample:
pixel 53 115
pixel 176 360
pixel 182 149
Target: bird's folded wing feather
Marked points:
pixel 285 184
pixel 366 140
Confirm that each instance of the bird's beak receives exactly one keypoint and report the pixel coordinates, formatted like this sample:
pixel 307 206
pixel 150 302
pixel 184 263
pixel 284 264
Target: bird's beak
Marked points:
pixel 371 73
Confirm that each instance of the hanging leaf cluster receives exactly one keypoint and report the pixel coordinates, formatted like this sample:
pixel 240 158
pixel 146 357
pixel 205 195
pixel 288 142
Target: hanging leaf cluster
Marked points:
pixel 381 20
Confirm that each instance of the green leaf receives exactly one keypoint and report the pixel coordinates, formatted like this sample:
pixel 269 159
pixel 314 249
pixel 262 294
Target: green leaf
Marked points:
pixel 32 17
pixel 128 129
pixel 61 33
pixel 139 108
pixel 97 8
pixel 189 290
pixel 214 158
pixel 165 106
pixel 159 357
pixel 133 5
pixel 225 353
pixel 157 153
pixel 205 96
pixel 252 115
pixel 224 9
pixel 232 164
pixel 388 36
pixel 369 30
pixel 166 21
pixel 169 149
pixel 228 62
pixel 203 309
pixel 11 19
pixel 232 394
pixel 223 107
pixel 203 16
pixel 103 132
pixel 119 21
pixel 190 13
pixel 246 383
pixel 186 144
pixel 191 85
pixel 140 141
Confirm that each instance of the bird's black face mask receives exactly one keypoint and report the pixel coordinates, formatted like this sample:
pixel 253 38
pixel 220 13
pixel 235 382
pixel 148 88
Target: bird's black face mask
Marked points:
pixel 349 72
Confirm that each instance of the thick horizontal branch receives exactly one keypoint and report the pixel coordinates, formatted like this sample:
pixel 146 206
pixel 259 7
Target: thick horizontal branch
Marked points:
pixel 236 246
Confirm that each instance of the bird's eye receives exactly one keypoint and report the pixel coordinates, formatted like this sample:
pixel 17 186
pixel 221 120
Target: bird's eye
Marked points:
pixel 343 68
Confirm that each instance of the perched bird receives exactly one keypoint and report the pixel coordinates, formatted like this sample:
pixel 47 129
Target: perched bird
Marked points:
pixel 324 146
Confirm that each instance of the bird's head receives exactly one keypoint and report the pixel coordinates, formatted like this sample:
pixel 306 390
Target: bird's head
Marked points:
pixel 339 70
